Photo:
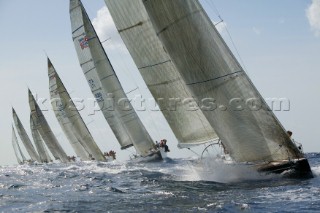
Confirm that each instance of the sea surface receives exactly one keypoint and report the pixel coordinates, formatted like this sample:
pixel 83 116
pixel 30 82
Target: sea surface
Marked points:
pixel 175 185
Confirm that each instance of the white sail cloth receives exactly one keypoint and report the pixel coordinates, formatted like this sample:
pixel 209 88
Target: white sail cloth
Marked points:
pixel 163 80
pixel 16 148
pixel 43 154
pixel 25 138
pixel 249 132
pixel 105 84
pixel 70 119
pixel 45 131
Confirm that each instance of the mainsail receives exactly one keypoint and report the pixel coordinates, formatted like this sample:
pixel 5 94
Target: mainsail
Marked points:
pixel 45 131
pixel 43 153
pixel 16 148
pixel 105 84
pixel 70 120
pixel 161 76
pixel 248 128
pixel 25 138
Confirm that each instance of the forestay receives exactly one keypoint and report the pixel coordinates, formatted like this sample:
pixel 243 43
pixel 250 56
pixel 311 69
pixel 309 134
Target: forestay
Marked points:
pixel 16 148
pixel 25 138
pixel 105 84
pixel 43 154
pixel 45 131
pixel 70 120
pixel 163 80
pixel 243 121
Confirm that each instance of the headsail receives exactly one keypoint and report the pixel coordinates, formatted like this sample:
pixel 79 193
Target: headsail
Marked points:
pixel 105 84
pixel 16 148
pixel 43 153
pixel 25 138
pixel 161 76
pixel 70 120
pixel 45 131
pixel 250 133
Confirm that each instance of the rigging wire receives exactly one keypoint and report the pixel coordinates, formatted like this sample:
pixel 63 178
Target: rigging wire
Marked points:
pixel 193 152
pixel 215 10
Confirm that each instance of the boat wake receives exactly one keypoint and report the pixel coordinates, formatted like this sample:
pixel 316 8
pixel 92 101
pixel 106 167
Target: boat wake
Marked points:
pixel 219 171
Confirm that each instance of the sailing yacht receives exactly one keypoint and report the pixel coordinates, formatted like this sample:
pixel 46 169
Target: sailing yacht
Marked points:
pixel 179 33
pixel 70 120
pixel 25 138
pixel 16 147
pixel 45 131
pixel 43 153
pixel 106 87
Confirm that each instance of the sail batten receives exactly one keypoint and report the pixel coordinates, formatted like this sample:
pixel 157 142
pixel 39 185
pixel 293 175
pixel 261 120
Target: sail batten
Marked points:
pixel 201 56
pixel 70 119
pixel 159 73
pixel 99 72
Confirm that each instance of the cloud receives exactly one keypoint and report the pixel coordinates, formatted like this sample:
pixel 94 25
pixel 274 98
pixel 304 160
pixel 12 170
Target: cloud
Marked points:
pixel 313 15
pixel 106 30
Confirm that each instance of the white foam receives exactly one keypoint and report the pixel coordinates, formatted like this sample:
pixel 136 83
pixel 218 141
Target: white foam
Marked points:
pixel 218 171
pixel 316 170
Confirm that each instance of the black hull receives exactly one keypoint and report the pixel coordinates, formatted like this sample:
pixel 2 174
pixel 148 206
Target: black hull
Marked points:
pixel 298 168
pixel 153 157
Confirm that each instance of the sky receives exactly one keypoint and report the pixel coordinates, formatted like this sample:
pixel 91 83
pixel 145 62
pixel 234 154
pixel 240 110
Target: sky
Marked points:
pixel 277 42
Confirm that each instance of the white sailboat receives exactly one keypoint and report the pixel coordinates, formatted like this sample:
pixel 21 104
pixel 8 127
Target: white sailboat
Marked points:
pixel 17 150
pixel 175 41
pixel 45 131
pixel 70 119
pixel 25 138
pixel 106 87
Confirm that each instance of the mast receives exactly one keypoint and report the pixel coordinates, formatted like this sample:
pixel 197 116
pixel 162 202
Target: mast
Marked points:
pixel 16 147
pixel 105 84
pixel 25 138
pixel 159 73
pixel 248 128
pixel 70 120
pixel 43 154
pixel 45 131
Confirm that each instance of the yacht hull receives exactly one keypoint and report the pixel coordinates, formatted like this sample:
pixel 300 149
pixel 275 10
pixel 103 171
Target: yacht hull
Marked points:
pixel 297 168
pixel 153 157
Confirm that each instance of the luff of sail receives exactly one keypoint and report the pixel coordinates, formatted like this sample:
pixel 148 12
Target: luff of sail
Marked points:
pixel 161 76
pixel 105 84
pixel 211 71
pixel 43 154
pixel 16 148
pixel 45 130
pixel 25 138
pixel 70 120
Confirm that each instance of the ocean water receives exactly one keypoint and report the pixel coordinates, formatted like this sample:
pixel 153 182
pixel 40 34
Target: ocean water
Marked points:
pixel 175 185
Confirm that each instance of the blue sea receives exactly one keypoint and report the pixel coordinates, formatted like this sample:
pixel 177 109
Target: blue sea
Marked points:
pixel 174 185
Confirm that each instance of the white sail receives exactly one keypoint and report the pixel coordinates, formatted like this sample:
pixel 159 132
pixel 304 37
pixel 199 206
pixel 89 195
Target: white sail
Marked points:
pixel 105 85
pixel 45 131
pixel 16 147
pixel 70 120
pixel 43 154
pixel 25 138
pixel 163 80
pixel 211 71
